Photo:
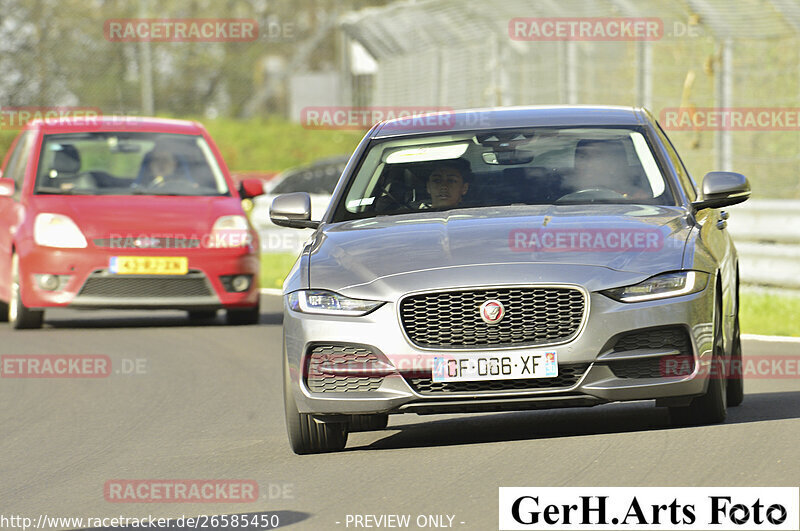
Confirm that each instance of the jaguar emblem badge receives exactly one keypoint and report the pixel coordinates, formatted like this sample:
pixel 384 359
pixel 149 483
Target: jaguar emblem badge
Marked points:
pixel 492 311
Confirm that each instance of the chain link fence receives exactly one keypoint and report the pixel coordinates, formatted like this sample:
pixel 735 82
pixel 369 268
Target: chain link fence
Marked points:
pixel 708 55
pixel 709 58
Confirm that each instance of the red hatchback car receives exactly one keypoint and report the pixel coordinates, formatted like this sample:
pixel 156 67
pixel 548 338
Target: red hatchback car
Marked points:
pixel 124 213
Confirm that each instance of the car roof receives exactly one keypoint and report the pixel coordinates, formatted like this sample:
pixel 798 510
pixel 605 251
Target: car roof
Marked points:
pixel 512 117
pixel 89 123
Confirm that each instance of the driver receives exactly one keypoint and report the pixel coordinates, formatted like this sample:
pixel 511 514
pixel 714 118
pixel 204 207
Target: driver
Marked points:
pixel 447 184
pixel 164 167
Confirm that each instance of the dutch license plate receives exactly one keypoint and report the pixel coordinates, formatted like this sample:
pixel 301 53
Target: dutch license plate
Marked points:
pixel 469 367
pixel 148 265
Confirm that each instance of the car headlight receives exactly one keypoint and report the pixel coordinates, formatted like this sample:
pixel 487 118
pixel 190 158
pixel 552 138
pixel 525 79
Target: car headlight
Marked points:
pixel 230 231
pixel 329 303
pixel 661 287
pixel 57 230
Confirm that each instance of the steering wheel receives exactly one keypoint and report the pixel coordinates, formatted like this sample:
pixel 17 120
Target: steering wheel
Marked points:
pixel 389 199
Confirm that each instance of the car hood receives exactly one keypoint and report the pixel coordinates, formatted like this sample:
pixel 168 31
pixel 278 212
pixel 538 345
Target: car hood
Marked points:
pixel 133 216
pixel 352 254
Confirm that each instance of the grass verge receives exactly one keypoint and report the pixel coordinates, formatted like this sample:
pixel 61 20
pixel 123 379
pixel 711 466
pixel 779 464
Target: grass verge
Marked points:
pixel 769 313
pixel 275 267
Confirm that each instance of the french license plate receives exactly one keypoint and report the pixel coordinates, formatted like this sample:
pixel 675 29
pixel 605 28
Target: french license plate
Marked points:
pixel 148 265
pixel 470 367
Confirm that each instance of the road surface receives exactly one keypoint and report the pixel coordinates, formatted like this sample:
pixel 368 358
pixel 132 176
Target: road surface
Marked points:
pixel 187 402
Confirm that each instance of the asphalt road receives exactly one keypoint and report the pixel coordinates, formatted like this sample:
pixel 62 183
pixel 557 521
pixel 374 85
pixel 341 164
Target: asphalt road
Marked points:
pixel 204 402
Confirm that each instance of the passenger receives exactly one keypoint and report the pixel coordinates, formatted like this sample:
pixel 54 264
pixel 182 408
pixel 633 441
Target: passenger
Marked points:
pixel 603 164
pixel 448 183
pixel 600 164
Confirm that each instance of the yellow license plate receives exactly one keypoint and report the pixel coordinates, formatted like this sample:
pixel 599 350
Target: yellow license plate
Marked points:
pixel 148 265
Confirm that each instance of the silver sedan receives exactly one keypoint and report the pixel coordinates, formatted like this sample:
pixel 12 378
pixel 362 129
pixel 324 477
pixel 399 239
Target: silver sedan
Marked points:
pixel 511 259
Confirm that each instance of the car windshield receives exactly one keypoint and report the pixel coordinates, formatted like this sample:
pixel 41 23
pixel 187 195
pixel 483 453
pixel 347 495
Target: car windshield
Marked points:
pixel 125 163
pixel 557 166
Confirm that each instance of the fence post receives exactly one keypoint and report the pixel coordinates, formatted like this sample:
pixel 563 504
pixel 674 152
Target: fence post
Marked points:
pixel 146 67
pixel 644 78
pixel 569 72
pixel 723 141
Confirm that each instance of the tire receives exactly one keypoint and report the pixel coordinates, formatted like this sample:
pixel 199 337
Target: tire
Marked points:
pixel 710 408
pixel 368 422
pixel 735 388
pixel 308 435
pixel 202 315
pixel 247 316
pixel 3 312
pixel 19 316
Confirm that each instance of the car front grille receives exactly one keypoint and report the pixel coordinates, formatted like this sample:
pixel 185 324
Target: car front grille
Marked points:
pixel 533 316
pixel 352 357
pixel 568 375
pixel 103 284
pixel 671 338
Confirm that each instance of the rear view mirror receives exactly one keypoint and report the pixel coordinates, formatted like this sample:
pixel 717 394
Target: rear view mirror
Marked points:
pixel 7 187
pixel 723 188
pixel 126 147
pixel 292 210
pixel 251 188
pixel 510 157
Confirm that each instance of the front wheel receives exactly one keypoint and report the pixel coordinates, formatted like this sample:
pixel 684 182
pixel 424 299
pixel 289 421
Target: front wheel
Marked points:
pixel 308 435
pixel 712 407
pixel 20 316
pixel 736 370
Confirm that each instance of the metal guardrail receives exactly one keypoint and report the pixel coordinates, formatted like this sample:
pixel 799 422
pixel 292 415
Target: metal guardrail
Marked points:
pixel 767 236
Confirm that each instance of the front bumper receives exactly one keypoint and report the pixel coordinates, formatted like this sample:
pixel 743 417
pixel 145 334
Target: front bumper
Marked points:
pixel 591 355
pixel 87 283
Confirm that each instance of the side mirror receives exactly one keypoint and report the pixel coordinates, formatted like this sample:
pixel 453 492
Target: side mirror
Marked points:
pixel 723 188
pixel 7 187
pixel 251 188
pixel 292 210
